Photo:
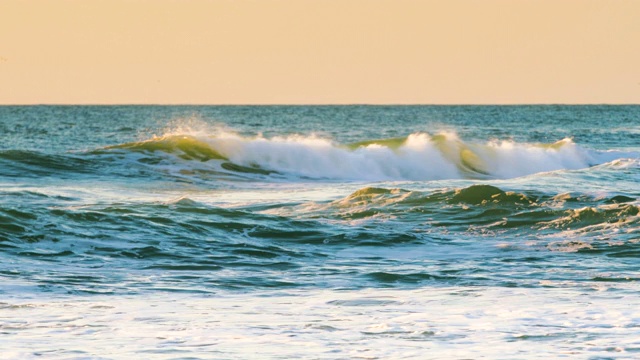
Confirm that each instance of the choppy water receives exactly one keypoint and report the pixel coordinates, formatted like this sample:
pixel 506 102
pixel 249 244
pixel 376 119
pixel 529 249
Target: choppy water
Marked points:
pixel 319 232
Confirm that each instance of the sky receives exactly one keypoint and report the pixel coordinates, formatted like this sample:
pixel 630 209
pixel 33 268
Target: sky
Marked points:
pixel 319 51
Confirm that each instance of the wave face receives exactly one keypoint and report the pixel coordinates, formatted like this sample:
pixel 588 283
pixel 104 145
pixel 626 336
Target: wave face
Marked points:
pixel 419 156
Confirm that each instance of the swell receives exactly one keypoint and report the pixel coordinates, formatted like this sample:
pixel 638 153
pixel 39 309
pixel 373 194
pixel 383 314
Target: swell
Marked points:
pixel 24 163
pixel 371 216
pixel 303 244
pixel 573 208
pixel 560 222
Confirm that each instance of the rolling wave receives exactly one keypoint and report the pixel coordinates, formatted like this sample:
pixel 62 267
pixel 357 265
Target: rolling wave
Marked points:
pixel 419 156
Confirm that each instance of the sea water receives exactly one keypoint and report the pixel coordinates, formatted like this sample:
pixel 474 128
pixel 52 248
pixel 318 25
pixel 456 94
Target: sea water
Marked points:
pixel 319 232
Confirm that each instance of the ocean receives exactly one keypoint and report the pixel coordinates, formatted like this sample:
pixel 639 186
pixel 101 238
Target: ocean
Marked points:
pixel 319 232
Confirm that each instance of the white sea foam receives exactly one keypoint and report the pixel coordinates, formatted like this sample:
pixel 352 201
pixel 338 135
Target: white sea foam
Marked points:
pixel 321 158
pixel 428 323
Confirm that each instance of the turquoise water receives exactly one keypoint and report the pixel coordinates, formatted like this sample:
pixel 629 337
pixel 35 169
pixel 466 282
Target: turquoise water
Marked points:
pixel 319 232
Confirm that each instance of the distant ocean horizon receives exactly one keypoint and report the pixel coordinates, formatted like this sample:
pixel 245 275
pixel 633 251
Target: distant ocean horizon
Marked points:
pixel 319 231
pixel 345 104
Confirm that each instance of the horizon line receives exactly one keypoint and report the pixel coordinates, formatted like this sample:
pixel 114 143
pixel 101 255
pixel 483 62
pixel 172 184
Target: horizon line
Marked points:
pixel 321 104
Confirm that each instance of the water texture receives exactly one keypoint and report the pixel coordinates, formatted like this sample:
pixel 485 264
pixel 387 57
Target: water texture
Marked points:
pixel 374 232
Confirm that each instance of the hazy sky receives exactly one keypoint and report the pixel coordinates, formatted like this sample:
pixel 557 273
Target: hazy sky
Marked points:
pixel 319 51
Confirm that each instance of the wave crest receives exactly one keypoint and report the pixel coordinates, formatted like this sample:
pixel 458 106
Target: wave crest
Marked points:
pixel 185 146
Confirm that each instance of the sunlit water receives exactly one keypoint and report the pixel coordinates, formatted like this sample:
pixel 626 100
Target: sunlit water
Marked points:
pixel 320 232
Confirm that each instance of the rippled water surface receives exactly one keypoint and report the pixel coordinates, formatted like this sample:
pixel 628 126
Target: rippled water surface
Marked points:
pixel 319 232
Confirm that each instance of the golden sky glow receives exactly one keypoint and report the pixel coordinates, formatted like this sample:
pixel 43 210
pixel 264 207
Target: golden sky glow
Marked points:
pixel 319 51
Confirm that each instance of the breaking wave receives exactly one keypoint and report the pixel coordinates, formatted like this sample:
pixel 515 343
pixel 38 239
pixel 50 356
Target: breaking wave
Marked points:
pixel 419 156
